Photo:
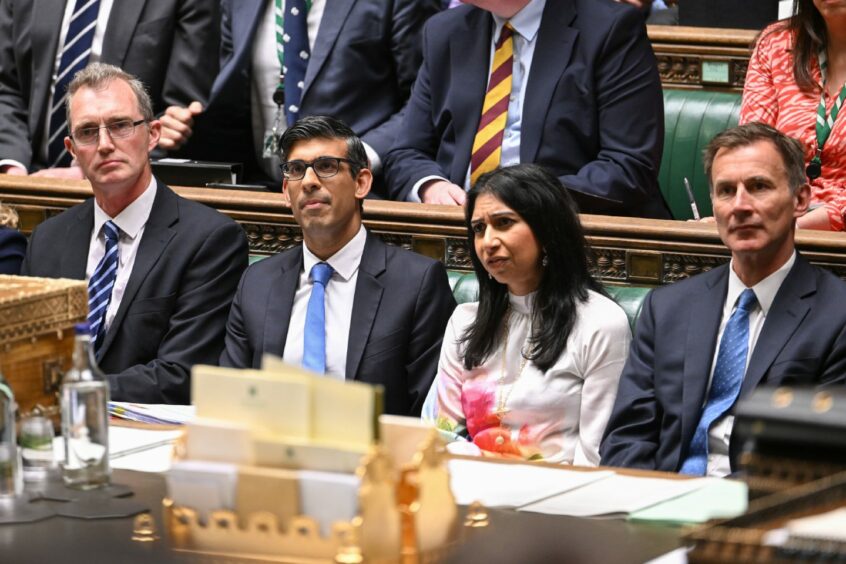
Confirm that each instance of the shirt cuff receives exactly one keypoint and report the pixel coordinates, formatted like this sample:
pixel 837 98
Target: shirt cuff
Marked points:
pixel 12 162
pixel 373 157
pixel 414 195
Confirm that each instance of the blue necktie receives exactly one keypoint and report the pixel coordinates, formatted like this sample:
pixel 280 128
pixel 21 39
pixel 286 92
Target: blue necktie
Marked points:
pixel 297 53
pixel 75 54
pixel 314 338
pixel 101 283
pixel 725 385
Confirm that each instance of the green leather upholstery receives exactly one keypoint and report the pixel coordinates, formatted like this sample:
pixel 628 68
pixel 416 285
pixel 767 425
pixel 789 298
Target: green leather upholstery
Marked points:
pixel 691 119
pixel 465 288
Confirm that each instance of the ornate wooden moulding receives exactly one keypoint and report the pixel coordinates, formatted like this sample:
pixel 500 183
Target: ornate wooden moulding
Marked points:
pixel 626 250
pixel 701 57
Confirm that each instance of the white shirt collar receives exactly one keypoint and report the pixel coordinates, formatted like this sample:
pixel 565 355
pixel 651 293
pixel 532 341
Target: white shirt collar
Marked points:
pixel 345 262
pixel 526 22
pixel 765 290
pixel 133 217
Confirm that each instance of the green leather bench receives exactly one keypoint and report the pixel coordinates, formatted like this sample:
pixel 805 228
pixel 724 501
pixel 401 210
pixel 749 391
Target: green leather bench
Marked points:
pixel 465 288
pixel 691 119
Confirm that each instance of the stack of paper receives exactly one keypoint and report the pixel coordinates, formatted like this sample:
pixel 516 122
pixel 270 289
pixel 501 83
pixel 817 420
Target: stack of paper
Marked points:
pixel 151 414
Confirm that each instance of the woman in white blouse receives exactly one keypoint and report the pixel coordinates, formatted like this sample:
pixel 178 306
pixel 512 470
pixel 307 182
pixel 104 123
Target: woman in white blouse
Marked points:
pixel 531 369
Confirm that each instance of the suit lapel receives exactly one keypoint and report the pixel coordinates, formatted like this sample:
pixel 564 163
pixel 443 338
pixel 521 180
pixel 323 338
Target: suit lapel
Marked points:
pixel 280 302
pixel 46 20
pixel 788 310
pixel 552 54
pixel 469 64
pixel 368 295
pixel 122 22
pixel 703 325
pixel 158 233
pixel 77 242
pixel 330 27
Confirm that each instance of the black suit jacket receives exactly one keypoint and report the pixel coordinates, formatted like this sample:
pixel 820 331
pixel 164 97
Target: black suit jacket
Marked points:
pixel 663 385
pixel 365 59
pixel 592 114
pixel 401 308
pixel 12 250
pixel 173 312
pixel 171 45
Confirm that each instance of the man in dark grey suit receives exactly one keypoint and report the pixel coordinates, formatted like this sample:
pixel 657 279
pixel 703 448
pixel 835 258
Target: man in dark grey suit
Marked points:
pixel 170 45
pixel 343 303
pixel 161 269
pixel 767 317
pixel 363 58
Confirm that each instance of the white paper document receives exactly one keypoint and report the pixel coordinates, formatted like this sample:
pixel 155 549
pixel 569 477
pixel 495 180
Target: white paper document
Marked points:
pixel 513 485
pixel 615 496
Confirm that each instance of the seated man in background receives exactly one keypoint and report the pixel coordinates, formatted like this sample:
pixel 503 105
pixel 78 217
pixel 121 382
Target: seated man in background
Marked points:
pixel 767 317
pixel 343 303
pixel 161 269
pixel 571 84
pixel 12 243
pixel 170 45
pixel 285 59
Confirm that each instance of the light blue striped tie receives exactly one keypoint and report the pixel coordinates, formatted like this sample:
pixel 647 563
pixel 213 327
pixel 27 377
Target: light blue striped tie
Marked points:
pixel 314 337
pixel 101 283
pixel 75 54
pixel 725 385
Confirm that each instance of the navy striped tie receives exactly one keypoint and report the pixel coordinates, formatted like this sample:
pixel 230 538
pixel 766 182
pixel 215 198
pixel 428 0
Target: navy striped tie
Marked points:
pixel 101 283
pixel 75 54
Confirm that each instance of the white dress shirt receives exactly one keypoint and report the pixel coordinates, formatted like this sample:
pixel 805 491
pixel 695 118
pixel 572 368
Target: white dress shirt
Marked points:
pixel 96 51
pixel 526 24
pixel 765 292
pixel 338 300
pixel 131 222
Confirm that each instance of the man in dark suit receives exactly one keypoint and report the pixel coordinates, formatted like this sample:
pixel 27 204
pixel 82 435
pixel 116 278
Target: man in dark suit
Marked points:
pixel 170 45
pixel 343 303
pixel 767 317
pixel 583 98
pixel 363 58
pixel 161 269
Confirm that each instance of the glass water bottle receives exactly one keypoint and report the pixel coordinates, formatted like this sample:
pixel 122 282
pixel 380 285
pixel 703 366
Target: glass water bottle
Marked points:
pixel 11 476
pixel 85 418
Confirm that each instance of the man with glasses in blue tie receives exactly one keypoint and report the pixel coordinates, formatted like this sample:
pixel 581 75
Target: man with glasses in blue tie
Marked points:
pixel 161 269
pixel 766 318
pixel 343 303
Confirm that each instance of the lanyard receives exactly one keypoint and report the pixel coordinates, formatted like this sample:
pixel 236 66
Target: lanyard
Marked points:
pixel 825 123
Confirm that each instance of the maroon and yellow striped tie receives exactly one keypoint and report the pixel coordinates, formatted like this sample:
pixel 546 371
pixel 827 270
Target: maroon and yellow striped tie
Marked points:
pixel 487 146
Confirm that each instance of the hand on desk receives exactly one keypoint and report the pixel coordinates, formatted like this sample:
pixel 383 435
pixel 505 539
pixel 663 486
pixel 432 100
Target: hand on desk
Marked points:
pixel 70 172
pixel 442 192
pixel 13 170
pixel 177 123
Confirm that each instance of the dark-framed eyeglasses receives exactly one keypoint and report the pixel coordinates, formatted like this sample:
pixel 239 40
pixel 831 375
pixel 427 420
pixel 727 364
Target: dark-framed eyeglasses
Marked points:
pixel 117 130
pixel 323 167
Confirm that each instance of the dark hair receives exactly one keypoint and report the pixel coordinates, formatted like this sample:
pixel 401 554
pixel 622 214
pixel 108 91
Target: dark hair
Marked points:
pixel 810 35
pixel 325 127
pixel 792 152
pixel 544 204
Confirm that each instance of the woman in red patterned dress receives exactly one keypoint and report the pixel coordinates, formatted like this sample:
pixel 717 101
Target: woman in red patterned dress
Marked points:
pixel 796 75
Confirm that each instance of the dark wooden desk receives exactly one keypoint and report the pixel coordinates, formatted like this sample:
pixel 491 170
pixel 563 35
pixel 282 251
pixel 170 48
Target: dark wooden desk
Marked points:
pixel 511 537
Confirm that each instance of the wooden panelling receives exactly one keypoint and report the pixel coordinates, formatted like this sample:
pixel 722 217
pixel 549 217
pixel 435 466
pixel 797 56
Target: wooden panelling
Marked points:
pixel 626 250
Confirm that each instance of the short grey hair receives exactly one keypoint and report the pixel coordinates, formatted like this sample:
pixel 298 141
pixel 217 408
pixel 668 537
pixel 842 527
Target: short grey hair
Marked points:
pixel 791 151
pixel 98 76
pixel 8 217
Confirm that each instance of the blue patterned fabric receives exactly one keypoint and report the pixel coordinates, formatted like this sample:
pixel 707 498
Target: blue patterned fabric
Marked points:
pixel 297 53
pixel 725 385
pixel 101 283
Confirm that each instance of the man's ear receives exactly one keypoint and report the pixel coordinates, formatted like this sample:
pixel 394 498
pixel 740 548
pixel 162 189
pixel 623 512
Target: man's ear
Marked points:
pixel 363 183
pixel 286 196
pixel 69 146
pixel 803 200
pixel 155 133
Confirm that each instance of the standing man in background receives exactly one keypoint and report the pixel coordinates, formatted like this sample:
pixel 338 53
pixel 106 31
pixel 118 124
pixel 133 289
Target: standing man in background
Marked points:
pixel 170 45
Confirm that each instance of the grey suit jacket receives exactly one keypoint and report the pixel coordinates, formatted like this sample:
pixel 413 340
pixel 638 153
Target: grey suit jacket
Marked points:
pixel 401 307
pixel 171 45
pixel 663 385
pixel 173 311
